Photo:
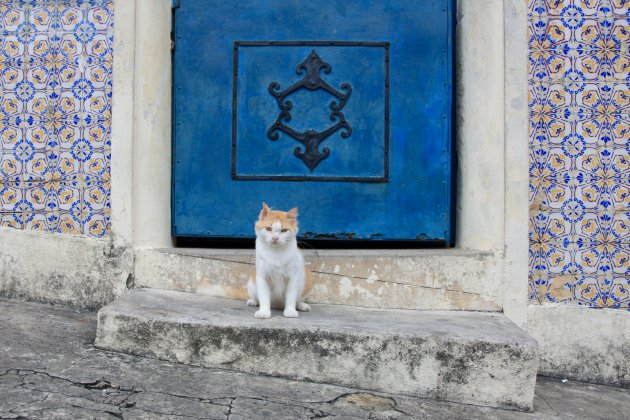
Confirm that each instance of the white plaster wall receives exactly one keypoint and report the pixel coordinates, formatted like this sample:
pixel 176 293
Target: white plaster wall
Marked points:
pixel 122 122
pixel 152 125
pixel 516 152
pixel 582 343
pixel 479 124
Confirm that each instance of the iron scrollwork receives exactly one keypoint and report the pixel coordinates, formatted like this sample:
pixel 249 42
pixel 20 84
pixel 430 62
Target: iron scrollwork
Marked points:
pixel 311 139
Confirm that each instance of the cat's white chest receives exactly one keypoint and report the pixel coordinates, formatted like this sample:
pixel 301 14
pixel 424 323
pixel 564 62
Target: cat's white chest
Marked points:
pixel 276 274
pixel 276 271
pixel 278 268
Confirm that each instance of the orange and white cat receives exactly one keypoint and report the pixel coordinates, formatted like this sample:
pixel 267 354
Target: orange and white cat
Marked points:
pixel 281 280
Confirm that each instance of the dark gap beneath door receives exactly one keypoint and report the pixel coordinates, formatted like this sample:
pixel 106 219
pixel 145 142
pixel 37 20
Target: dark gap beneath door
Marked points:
pixel 248 243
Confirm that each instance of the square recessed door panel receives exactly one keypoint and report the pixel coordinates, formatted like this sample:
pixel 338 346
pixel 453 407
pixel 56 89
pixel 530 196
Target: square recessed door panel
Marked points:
pixel 309 103
pixel 341 108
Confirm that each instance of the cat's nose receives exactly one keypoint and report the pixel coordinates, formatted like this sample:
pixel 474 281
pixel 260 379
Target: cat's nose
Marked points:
pixel 275 236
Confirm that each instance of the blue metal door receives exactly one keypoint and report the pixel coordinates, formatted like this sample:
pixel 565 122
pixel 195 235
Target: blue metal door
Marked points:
pixel 340 107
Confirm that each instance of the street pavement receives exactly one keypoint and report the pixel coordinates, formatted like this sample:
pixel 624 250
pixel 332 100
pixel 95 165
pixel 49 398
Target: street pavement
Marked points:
pixel 49 369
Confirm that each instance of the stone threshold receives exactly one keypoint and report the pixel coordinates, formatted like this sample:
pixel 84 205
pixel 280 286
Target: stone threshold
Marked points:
pixel 441 279
pixel 470 357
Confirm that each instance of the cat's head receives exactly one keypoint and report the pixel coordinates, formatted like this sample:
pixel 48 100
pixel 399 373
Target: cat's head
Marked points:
pixel 277 228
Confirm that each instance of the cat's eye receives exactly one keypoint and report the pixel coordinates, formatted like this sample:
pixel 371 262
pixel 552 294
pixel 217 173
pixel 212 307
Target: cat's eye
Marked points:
pixel 268 228
pixel 284 230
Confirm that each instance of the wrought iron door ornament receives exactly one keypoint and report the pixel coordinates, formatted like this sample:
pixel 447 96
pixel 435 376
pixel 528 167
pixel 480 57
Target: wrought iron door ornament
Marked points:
pixel 311 139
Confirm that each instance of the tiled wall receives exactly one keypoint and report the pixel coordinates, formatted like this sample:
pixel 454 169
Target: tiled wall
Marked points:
pixel 55 115
pixel 579 103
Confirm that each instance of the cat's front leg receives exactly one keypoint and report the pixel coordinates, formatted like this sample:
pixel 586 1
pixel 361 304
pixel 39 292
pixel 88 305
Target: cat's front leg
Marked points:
pixel 291 296
pixel 264 297
pixel 253 293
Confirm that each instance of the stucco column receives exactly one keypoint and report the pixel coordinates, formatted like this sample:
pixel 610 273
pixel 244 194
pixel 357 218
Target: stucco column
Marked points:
pixel 152 125
pixel 122 122
pixel 479 124
pixel 516 163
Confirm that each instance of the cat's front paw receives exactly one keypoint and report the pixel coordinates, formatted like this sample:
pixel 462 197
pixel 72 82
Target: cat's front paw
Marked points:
pixel 290 313
pixel 252 302
pixel 304 307
pixel 262 314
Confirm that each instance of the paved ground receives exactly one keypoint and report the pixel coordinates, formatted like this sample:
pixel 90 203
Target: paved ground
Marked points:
pixel 49 369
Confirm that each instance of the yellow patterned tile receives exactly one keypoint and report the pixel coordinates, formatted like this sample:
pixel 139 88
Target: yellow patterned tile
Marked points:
pixel 67 224
pixel 579 151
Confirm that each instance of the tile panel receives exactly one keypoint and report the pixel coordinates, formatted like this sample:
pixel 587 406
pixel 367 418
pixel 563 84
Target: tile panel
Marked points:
pixel 55 115
pixel 579 99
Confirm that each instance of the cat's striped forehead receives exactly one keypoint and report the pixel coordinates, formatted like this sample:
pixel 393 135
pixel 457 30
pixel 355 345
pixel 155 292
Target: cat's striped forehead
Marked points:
pixel 285 219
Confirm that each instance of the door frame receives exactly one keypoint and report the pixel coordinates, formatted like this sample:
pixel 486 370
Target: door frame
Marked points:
pixel 490 133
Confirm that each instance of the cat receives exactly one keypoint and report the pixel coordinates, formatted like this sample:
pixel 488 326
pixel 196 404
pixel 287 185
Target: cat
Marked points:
pixel 280 280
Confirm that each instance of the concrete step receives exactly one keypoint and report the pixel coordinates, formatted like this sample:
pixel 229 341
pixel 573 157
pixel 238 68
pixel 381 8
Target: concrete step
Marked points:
pixel 471 357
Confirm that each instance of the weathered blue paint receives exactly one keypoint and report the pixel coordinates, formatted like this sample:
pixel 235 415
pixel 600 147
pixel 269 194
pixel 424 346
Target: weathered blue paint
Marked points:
pixel 411 202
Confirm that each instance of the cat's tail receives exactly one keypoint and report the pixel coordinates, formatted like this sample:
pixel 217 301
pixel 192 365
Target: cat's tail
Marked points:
pixel 225 291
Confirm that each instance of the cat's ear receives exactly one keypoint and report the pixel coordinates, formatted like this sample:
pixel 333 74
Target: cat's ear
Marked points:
pixel 265 211
pixel 293 213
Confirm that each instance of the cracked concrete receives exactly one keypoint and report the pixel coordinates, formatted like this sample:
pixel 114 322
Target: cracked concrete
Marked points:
pixel 50 369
